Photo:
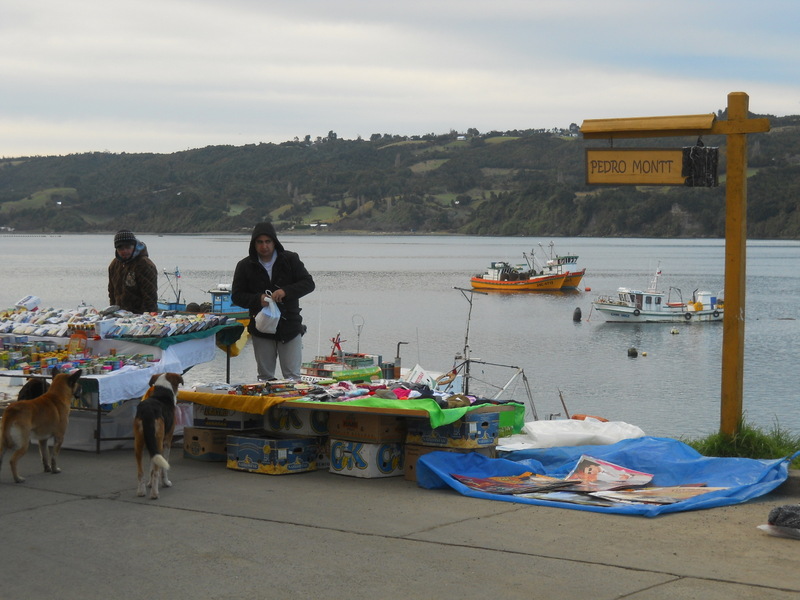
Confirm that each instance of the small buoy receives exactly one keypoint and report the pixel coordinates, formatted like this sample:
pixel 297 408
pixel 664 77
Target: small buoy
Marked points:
pixel 633 352
pixel 644 353
pixel 576 315
pixel 674 332
pixel 587 289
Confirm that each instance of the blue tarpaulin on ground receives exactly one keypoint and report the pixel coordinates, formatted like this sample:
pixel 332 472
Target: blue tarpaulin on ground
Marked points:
pixel 670 461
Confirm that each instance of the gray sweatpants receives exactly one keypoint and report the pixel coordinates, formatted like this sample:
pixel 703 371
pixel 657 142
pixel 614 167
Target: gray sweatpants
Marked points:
pixel 268 351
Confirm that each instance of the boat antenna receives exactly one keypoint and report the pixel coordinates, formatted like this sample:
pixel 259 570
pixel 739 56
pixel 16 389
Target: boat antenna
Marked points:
pixel 654 282
pixel 465 292
pixel 174 285
pixel 358 323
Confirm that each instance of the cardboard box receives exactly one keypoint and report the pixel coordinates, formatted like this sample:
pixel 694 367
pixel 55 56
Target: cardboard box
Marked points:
pixel 366 427
pixel 259 452
pixel 223 418
pixel 296 421
pixel 478 428
pixel 362 459
pixel 323 454
pixel 205 444
pixel 413 452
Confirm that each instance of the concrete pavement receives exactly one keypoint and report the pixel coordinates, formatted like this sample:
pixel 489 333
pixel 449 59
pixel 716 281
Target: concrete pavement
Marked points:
pixel 224 534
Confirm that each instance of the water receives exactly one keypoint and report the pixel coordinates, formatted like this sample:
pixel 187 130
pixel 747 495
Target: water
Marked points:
pixel 381 290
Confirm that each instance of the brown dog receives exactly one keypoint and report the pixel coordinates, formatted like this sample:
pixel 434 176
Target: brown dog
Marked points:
pixel 43 418
pixel 153 427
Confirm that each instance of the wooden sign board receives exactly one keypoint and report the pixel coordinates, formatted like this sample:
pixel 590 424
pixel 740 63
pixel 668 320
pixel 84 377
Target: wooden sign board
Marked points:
pixel 634 166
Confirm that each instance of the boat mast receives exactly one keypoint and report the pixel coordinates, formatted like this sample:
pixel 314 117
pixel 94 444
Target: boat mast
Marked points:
pixel 466 354
pixel 654 282
pixel 172 280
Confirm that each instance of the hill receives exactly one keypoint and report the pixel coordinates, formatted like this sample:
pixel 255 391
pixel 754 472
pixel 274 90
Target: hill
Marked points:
pixel 529 182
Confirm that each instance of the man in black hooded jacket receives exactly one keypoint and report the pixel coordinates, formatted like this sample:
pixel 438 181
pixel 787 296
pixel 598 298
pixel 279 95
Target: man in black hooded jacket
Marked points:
pixel 270 267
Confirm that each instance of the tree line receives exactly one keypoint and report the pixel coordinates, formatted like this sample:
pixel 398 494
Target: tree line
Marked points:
pixel 521 182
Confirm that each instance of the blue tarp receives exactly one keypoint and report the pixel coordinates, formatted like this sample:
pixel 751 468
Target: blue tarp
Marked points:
pixel 671 462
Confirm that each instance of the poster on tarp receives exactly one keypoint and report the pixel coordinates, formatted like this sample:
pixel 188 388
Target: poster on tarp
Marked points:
pixel 593 474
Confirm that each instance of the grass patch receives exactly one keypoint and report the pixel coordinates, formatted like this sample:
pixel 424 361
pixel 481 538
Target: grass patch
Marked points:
pixel 750 442
pixel 500 139
pixel 323 214
pixel 404 143
pixel 234 210
pixel 40 199
pixel 428 165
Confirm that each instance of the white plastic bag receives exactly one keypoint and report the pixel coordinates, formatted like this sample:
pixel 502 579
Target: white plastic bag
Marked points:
pixel 268 317
pixel 570 432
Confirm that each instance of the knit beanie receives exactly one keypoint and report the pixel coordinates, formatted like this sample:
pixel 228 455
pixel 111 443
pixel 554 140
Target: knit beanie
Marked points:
pixel 124 238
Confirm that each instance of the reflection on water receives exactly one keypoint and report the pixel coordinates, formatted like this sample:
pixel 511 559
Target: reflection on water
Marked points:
pixel 403 289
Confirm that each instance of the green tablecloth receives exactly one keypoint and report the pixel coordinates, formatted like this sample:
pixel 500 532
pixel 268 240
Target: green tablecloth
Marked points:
pixel 227 334
pixel 438 416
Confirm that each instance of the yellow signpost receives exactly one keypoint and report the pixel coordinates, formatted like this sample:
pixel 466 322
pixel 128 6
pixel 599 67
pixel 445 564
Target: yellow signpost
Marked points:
pixel 633 166
pixel 736 127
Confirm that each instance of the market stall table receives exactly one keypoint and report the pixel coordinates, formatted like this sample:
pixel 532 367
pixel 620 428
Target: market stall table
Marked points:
pixel 175 354
pixel 412 408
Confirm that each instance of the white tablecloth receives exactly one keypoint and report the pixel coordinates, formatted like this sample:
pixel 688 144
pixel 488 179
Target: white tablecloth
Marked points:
pixel 132 382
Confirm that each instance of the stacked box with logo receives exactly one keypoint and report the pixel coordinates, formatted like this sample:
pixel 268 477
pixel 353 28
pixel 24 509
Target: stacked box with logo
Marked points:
pixel 205 443
pixel 366 445
pixel 270 453
pixel 301 422
pixel 476 431
pixel 207 439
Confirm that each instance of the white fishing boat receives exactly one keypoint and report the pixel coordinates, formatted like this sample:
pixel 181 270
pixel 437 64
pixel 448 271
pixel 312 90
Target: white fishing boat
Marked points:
pixel 653 306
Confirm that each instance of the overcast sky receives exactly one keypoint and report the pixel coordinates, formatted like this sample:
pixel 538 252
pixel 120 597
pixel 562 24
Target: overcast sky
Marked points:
pixel 170 75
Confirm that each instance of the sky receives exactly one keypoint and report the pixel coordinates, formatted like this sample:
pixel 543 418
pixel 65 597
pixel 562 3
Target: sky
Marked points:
pixel 170 75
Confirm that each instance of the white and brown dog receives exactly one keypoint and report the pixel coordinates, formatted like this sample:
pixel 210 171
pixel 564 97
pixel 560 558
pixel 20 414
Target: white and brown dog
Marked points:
pixel 153 427
pixel 42 418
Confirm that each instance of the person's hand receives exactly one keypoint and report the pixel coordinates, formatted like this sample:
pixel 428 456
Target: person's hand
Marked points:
pixel 278 295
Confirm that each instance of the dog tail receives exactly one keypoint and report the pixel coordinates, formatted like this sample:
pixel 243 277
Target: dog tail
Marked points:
pixel 149 424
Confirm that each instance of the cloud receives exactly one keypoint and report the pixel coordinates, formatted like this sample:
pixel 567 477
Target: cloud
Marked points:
pixel 166 75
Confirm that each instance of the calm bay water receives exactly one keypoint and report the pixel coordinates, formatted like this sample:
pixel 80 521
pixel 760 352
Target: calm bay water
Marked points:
pixel 381 290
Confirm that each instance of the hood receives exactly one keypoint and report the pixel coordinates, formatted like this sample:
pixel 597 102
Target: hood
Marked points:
pixel 264 229
pixel 139 250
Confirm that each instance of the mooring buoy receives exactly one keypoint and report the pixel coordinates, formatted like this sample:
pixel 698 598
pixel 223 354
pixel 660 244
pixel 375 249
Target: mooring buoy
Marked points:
pixel 576 315
pixel 633 352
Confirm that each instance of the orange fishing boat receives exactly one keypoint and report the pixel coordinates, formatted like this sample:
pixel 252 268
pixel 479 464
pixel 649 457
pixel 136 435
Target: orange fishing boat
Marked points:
pixel 567 264
pixel 502 276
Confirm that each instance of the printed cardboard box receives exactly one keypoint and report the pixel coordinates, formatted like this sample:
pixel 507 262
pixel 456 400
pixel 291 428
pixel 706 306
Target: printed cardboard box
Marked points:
pixel 224 418
pixel 362 459
pixel 413 452
pixel 260 452
pixel 296 421
pixel 205 444
pixel 366 427
pixel 476 429
pixel 323 454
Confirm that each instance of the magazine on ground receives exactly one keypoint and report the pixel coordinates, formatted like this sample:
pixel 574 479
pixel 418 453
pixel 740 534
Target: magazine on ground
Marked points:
pixel 513 484
pixel 593 475
pixel 592 481
pixel 658 495
pixel 570 497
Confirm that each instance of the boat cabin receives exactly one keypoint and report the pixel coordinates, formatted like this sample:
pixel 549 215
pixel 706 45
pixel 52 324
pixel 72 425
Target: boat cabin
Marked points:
pixel 500 270
pixel 221 299
pixel 652 301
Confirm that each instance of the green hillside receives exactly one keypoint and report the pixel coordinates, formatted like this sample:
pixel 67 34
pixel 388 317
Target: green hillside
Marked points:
pixel 527 182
